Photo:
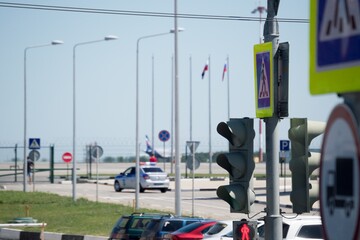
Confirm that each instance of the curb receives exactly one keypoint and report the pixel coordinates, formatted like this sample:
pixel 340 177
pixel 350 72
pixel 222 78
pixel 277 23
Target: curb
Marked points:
pixel 14 234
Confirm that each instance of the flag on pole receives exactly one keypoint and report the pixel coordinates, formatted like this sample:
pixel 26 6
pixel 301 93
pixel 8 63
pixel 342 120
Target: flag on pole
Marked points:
pixel 224 71
pixel 205 69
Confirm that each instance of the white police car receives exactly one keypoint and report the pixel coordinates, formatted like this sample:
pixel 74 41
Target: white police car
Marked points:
pixel 151 177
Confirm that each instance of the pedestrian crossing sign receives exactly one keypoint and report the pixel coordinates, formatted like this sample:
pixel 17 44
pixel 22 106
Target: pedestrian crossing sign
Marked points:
pixel 334 46
pixel 263 66
pixel 34 143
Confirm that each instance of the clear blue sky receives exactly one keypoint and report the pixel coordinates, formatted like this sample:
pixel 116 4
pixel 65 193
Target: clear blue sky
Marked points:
pixel 106 72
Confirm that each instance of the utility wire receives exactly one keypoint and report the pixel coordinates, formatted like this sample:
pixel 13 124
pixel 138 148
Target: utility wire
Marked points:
pixel 141 13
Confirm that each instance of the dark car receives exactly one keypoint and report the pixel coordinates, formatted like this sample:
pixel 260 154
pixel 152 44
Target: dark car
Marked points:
pixel 151 177
pixel 158 228
pixel 119 228
pixel 130 227
pixel 192 231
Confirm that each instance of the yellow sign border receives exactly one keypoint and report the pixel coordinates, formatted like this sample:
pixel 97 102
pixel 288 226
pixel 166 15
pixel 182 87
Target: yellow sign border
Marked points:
pixel 339 80
pixel 264 112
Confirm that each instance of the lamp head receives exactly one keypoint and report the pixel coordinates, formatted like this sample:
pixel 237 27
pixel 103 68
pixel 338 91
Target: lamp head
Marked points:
pixel 179 30
pixel 57 42
pixel 110 37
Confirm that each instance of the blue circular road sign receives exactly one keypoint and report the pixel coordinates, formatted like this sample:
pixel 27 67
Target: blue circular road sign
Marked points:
pixel 164 135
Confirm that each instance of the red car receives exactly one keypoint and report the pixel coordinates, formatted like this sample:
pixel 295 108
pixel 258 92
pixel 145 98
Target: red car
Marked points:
pixel 193 231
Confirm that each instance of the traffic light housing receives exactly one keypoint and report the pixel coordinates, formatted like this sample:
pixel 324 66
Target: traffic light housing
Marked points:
pixel 281 64
pixel 244 230
pixel 303 162
pixel 239 162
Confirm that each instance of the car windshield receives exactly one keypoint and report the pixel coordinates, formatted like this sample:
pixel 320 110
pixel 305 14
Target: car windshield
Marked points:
pixel 261 230
pixel 311 231
pixel 171 226
pixel 218 227
pixel 152 169
pixel 154 224
pixel 189 227
pixel 120 224
pixel 140 223
pixel 229 234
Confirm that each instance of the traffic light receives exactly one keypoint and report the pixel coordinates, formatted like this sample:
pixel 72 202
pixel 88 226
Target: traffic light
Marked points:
pixel 244 230
pixel 303 162
pixel 239 163
pixel 281 64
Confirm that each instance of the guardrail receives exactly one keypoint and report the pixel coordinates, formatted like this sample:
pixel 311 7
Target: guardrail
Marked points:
pixel 22 235
pixel 14 234
pixel 42 225
pixel 19 171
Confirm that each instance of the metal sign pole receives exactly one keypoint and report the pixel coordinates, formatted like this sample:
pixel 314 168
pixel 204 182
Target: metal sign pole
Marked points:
pixel 97 174
pixel 273 228
pixel 193 179
pixel 96 153
pixel 164 155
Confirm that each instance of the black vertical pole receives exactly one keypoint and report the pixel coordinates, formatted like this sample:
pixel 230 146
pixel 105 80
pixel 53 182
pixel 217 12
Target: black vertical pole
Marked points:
pixel 51 177
pixel 90 162
pixel 15 162
pixel 186 157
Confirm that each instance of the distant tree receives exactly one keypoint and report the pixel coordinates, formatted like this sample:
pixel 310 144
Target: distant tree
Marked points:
pixel 109 159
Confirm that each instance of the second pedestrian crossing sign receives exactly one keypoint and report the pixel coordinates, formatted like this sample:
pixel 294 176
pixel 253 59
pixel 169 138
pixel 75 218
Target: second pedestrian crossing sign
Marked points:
pixel 334 46
pixel 34 143
pixel 264 96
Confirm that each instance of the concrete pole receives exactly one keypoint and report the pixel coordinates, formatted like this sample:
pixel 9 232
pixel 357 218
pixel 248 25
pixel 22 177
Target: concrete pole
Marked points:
pixel 177 119
pixel 273 219
pixel 210 151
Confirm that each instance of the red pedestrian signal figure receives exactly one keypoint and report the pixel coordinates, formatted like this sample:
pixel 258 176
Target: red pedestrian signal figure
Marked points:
pixel 245 232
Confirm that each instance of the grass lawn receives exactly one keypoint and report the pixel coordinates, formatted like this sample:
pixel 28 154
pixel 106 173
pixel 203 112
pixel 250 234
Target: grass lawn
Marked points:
pixel 61 214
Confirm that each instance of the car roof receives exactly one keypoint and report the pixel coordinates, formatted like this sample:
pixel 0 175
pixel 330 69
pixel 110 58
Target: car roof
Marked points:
pixel 219 228
pixel 297 218
pixel 176 218
pixel 193 225
pixel 307 218
pixel 159 215
pixel 149 213
pixel 187 218
pixel 148 166
pixel 225 221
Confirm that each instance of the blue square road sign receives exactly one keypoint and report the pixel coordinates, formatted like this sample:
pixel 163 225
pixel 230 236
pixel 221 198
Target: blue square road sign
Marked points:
pixel 284 145
pixel 34 143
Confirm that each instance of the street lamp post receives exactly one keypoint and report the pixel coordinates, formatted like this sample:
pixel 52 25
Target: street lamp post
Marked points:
pixel 107 38
pixel 152 108
pixel 55 42
pixel 137 112
pixel 176 116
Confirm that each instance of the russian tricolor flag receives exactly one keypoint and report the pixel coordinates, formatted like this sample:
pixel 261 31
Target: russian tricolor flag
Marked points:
pixel 205 69
pixel 224 71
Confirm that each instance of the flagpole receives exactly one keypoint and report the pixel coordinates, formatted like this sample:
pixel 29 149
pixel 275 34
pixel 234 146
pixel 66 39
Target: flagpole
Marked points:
pixel 172 114
pixel 228 84
pixel 190 62
pixel 210 154
pixel 152 105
